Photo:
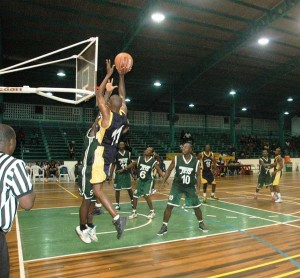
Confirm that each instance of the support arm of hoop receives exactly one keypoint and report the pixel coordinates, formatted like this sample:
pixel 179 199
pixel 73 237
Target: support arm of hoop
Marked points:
pixel 39 65
pixel 48 54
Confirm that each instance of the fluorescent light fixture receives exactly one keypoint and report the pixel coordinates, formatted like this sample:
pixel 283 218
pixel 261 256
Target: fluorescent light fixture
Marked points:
pixel 191 105
pixel 286 113
pixel 61 73
pixel 232 92
pixel 158 17
pixel 290 99
pixel 244 109
pixel 127 100
pixel 157 84
pixel 49 94
pixel 263 41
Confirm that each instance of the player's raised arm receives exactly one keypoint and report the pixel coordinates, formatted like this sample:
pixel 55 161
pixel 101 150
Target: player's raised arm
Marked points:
pixel 109 72
pixel 169 171
pixel 122 92
pixel 104 109
pixel 131 165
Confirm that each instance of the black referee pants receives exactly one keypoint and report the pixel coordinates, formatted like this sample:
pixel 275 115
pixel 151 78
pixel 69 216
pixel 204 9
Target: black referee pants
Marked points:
pixel 4 258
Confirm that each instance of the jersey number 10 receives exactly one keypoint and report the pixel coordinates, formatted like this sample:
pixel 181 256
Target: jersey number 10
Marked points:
pixel 186 179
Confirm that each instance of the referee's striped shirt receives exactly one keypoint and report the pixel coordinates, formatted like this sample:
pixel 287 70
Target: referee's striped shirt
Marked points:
pixel 14 183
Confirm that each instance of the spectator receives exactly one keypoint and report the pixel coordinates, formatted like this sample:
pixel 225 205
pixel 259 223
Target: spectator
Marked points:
pixel 182 137
pixel 221 167
pixel 72 150
pixel 34 138
pixel 21 136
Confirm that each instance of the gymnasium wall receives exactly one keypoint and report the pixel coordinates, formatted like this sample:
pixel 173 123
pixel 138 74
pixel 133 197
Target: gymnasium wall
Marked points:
pixel 295 125
pixel 67 114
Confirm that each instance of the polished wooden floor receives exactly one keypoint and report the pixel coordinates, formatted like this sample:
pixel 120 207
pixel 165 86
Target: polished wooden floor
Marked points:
pixel 236 254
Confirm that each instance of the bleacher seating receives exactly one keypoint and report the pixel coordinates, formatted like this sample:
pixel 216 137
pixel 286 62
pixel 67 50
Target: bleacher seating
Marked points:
pixel 54 139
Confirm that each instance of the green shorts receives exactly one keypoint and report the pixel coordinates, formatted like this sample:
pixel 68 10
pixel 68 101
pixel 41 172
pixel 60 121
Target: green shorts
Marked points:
pixel 85 187
pixel 122 181
pixel 143 188
pixel 191 197
pixel 264 180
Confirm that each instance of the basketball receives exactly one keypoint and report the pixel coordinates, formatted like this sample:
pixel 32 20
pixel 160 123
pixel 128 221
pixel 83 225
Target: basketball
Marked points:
pixel 123 62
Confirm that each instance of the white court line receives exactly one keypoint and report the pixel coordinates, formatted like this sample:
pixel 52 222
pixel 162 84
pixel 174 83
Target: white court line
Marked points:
pixel 148 244
pixel 255 208
pixel 20 250
pixel 253 216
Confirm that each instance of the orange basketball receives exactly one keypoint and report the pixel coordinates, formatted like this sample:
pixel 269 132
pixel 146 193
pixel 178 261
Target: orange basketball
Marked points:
pixel 123 62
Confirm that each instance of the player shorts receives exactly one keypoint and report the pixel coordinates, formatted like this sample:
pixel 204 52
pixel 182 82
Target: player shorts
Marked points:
pixel 85 187
pixel 276 178
pixel 264 180
pixel 143 188
pixel 122 181
pixel 207 177
pixel 191 197
pixel 98 174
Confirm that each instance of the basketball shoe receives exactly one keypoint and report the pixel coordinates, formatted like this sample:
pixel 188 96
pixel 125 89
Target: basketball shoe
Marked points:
pixel 133 215
pixel 120 225
pixel 83 235
pixel 92 233
pixel 151 215
pixel 203 227
pixel 163 230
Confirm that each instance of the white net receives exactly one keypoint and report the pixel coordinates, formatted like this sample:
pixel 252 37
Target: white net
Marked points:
pixel 86 73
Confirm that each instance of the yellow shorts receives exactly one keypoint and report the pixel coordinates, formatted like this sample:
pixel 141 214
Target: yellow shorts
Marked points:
pixel 98 173
pixel 276 178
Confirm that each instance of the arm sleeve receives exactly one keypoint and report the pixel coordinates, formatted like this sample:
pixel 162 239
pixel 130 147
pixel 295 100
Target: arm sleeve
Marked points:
pixel 21 184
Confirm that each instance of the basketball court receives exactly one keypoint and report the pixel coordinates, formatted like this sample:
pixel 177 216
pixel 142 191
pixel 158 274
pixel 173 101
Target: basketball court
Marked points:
pixel 239 229
pixel 203 70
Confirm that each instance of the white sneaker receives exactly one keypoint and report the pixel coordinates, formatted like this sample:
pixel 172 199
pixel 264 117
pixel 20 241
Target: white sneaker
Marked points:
pixel 153 191
pixel 84 235
pixel 279 200
pixel 92 233
pixel 133 215
pixel 151 215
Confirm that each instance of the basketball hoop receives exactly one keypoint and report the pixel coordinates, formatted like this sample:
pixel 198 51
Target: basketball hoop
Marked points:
pixel 86 74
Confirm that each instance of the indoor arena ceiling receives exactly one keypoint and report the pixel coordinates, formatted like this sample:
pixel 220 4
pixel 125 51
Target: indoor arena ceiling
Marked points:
pixel 201 51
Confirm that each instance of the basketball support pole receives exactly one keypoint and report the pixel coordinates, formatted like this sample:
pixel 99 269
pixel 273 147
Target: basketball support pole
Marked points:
pixel 1 78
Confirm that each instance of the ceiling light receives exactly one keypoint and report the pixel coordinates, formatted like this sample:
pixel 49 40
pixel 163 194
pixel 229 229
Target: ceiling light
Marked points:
pixel 244 109
pixel 232 92
pixel 127 100
pixel 157 84
pixel 290 99
pixel 191 105
pixel 158 17
pixel 49 94
pixel 263 41
pixel 286 113
pixel 61 73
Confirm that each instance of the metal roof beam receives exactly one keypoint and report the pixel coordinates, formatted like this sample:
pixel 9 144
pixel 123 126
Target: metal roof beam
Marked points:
pixel 139 23
pixel 265 21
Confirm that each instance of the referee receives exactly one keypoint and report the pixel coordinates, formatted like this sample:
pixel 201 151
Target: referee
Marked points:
pixel 15 188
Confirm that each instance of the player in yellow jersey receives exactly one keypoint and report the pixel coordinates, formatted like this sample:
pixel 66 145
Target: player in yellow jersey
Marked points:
pixel 208 165
pixel 276 175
